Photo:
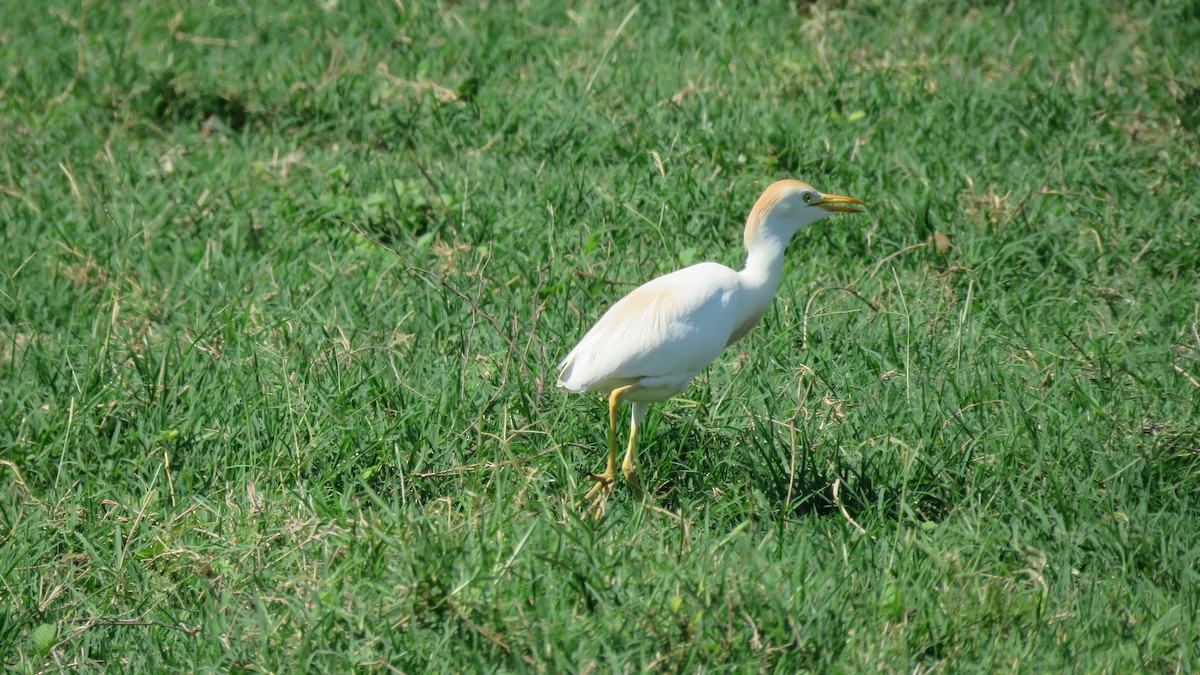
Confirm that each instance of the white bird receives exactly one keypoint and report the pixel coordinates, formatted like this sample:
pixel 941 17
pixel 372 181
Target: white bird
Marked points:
pixel 651 344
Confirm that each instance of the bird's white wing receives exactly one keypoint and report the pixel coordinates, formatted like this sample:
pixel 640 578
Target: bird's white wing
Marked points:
pixel 666 331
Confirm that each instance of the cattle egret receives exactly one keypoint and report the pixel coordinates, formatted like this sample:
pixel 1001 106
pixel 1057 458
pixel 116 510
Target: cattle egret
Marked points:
pixel 654 341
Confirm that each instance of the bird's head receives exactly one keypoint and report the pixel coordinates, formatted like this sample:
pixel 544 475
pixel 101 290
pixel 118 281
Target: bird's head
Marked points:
pixel 788 205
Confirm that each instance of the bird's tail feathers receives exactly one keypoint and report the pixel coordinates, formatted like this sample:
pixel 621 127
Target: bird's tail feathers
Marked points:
pixel 565 370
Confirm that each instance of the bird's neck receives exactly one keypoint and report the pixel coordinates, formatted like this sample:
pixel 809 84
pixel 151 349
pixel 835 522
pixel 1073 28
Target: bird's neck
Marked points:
pixel 764 267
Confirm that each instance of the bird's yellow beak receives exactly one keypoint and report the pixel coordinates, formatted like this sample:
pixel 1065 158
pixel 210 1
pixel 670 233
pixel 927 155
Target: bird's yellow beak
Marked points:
pixel 839 204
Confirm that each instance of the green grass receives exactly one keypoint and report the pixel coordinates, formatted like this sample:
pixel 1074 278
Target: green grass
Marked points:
pixel 237 435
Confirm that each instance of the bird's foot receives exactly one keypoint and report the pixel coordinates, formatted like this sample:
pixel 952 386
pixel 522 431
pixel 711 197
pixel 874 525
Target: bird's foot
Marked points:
pixel 599 493
pixel 631 477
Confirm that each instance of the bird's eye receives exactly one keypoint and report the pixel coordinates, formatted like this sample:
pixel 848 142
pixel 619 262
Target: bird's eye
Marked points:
pixel 808 198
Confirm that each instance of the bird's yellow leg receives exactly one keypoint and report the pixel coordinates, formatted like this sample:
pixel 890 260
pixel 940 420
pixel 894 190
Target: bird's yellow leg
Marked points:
pixel 604 481
pixel 629 465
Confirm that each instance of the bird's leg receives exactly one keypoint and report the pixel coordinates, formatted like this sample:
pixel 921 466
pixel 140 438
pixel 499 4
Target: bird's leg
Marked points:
pixel 604 481
pixel 629 466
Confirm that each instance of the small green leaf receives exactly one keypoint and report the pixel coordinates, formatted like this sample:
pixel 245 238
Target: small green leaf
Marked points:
pixel 44 637
pixel 591 243
pixel 892 599
pixel 687 255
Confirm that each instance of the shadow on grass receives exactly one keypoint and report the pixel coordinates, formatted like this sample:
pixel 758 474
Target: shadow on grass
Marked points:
pixel 760 472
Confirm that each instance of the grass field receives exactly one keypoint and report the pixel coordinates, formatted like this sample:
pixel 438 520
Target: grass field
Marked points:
pixel 240 434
